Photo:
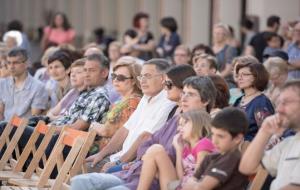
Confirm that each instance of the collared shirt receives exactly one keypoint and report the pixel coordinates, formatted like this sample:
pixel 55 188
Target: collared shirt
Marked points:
pixel 294 55
pixel 283 161
pixel 89 106
pixel 21 101
pixel 150 115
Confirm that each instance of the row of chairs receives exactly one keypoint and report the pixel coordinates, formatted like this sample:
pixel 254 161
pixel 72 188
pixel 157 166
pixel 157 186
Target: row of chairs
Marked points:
pixel 36 177
pixel 39 178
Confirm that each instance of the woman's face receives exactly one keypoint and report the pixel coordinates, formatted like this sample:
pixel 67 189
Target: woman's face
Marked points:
pixel 123 81
pixel 245 78
pixel 173 92
pixel 191 99
pixel 277 79
pixel 57 71
pixel 58 20
pixel 114 53
pixel 202 67
pixel 219 34
pixel 181 57
pixel 144 24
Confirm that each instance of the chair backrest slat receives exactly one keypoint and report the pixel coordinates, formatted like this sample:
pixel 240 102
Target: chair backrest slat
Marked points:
pixel 30 147
pixel 11 144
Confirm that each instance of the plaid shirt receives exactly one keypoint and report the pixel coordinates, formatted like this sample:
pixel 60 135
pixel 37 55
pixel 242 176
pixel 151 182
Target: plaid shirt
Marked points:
pixel 90 106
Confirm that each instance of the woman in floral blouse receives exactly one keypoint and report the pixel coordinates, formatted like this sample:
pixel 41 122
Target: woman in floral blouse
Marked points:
pixel 124 79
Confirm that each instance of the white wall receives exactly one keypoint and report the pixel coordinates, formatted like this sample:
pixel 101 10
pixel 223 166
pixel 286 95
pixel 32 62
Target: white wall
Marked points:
pixel 288 10
pixel 230 13
pixel 197 20
pixel 193 16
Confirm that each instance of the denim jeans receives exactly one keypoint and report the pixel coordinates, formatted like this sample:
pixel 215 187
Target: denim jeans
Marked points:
pixel 97 181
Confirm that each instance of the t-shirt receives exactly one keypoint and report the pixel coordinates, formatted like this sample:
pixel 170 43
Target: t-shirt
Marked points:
pixel 189 156
pixel 256 110
pixel 225 168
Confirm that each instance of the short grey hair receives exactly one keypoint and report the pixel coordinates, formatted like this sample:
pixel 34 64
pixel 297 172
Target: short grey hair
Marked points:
pixel 161 64
pixel 205 88
pixel 100 58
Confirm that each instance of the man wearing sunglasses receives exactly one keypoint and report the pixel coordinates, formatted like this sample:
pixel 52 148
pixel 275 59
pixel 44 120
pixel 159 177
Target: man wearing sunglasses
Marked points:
pixel 21 94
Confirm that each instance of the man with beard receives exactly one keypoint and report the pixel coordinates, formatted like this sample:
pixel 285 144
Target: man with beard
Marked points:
pixel 283 160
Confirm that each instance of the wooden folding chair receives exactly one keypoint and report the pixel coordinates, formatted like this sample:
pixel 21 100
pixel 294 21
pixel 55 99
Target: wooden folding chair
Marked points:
pixel 11 143
pixel 79 141
pixel 30 149
pixel 259 179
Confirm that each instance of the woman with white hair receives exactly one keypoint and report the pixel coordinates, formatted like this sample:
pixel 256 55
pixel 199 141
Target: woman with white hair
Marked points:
pixel 12 39
pixel 278 72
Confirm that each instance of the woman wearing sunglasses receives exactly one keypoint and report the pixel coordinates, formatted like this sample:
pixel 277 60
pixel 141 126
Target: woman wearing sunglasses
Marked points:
pixel 125 82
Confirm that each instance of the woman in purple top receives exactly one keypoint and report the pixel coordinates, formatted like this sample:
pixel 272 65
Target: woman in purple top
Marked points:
pixel 198 92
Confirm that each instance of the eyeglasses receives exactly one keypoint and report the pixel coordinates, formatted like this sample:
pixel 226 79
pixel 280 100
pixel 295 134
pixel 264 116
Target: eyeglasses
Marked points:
pixel 14 62
pixel 168 84
pixel 243 75
pixel 120 78
pixel 147 76
pixel 285 102
pixel 188 94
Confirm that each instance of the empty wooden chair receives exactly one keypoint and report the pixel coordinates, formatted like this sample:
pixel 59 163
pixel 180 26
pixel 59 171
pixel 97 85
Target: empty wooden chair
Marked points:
pixel 11 143
pixel 30 149
pixel 79 141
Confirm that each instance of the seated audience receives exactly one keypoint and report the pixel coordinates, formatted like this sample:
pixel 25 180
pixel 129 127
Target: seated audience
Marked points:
pixel 191 144
pixel 42 74
pixel 293 51
pixel 252 79
pixel 274 43
pixel 197 93
pixel 125 82
pixel 78 87
pixel 169 39
pixel 282 161
pixel 223 95
pixel 4 72
pixel 59 69
pixel 205 65
pixel 90 106
pixel 220 170
pixel 181 55
pixel 278 72
pixel 21 94
pixel 149 116
pixel 224 52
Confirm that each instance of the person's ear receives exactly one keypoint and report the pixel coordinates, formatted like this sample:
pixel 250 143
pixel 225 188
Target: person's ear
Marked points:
pixel 163 79
pixel 238 139
pixel 104 73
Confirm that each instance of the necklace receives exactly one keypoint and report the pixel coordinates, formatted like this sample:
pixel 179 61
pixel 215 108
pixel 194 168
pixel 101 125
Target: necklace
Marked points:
pixel 247 98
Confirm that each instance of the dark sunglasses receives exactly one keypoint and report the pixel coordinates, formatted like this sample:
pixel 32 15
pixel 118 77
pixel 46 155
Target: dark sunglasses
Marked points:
pixel 168 84
pixel 120 78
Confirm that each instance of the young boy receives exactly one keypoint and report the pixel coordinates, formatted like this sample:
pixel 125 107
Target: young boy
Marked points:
pixel 220 170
